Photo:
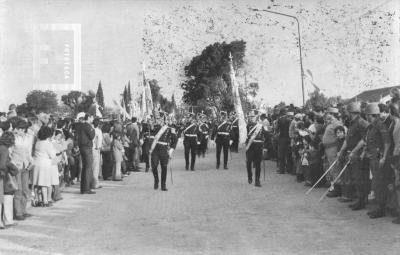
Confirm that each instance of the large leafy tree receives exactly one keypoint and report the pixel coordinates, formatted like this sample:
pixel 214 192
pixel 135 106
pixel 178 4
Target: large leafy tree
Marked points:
pixel 41 101
pixel 207 75
pixel 77 101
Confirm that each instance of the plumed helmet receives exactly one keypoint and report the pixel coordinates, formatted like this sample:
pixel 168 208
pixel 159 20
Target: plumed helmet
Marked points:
pixel 354 107
pixel 372 109
pixel 253 113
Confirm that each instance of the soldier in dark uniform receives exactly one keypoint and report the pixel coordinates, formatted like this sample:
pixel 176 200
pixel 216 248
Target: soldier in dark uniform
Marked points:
pixel 161 149
pixel 357 172
pixel 256 146
pixel 147 140
pixel 234 132
pixel 377 145
pixel 190 140
pixel 222 136
pixel 204 129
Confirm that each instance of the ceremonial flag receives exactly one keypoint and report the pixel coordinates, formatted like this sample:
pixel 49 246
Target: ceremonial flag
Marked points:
pixel 238 104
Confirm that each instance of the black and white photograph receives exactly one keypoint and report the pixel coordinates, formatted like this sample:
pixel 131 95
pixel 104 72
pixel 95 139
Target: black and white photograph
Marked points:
pixel 200 127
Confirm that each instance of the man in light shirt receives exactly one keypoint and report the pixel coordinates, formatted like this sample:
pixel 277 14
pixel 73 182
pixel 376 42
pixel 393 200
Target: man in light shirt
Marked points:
pixel 97 143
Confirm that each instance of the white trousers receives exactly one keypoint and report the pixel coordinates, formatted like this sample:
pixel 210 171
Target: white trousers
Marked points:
pixel 96 167
pixel 8 209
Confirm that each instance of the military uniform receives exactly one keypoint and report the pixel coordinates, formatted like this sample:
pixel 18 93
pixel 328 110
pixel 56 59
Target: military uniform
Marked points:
pixel 357 172
pixel 190 140
pixel 160 152
pixel 375 139
pixel 235 135
pixel 147 140
pixel 255 143
pixel 222 136
pixel 204 130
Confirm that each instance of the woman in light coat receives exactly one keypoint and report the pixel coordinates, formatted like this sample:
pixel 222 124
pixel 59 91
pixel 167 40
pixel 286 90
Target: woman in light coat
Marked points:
pixel 43 156
pixel 118 154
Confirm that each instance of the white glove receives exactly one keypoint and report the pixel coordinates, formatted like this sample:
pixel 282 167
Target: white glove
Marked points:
pixel 198 143
pixel 230 142
pixel 170 152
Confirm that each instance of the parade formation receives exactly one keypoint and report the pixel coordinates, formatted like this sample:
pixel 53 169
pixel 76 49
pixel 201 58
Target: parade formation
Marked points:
pixel 232 140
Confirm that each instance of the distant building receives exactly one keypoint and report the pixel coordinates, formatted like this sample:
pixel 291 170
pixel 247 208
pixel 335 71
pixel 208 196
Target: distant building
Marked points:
pixel 375 95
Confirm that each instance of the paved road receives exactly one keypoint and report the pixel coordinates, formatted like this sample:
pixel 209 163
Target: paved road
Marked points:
pixel 207 211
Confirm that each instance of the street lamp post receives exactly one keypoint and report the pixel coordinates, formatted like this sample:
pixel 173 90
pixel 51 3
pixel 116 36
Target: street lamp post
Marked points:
pixel 301 57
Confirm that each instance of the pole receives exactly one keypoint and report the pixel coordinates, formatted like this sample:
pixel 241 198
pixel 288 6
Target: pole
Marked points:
pixel 301 62
pixel 299 40
pixel 170 170
pixel 264 167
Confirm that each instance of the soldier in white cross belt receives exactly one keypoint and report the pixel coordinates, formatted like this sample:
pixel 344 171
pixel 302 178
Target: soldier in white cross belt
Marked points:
pixel 256 145
pixel 190 141
pixel 161 150
pixel 222 136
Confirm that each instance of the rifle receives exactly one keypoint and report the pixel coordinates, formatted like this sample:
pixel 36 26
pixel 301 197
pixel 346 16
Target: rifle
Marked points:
pixel 316 183
pixel 334 181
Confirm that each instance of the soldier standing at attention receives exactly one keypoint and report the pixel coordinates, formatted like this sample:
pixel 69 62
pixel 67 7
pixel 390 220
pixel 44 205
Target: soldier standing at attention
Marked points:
pixel 222 138
pixel 190 133
pixel 204 129
pixel 256 146
pixel 358 168
pixel 234 132
pixel 376 144
pixel 161 150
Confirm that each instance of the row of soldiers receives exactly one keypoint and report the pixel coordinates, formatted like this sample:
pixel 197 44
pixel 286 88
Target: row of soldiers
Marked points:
pixel 160 140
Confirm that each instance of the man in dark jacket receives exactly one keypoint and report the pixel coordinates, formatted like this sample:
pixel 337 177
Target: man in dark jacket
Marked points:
pixel 84 136
pixel 284 150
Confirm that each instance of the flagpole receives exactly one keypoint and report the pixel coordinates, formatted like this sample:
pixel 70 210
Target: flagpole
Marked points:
pixel 299 40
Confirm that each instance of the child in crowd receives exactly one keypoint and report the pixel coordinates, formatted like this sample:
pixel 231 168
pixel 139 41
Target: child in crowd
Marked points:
pixel 118 155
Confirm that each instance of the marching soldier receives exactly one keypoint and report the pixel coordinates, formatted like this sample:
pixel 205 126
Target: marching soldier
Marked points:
pixel 147 140
pixel 161 150
pixel 256 147
pixel 234 132
pixel 190 140
pixel 222 138
pixel 204 129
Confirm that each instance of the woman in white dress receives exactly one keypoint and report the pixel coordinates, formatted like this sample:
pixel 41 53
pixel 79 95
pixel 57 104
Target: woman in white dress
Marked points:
pixel 43 156
pixel 60 146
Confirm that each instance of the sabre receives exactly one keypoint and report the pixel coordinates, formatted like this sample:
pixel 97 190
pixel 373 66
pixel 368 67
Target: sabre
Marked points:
pixel 316 183
pixel 334 181
pixel 170 170
pixel 264 168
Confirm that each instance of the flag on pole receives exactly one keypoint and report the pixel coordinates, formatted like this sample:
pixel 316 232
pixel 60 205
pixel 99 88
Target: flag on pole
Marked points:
pixel 237 103
pixel 148 96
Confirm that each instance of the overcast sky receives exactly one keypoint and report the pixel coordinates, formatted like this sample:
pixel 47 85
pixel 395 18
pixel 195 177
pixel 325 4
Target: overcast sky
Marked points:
pixel 334 35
